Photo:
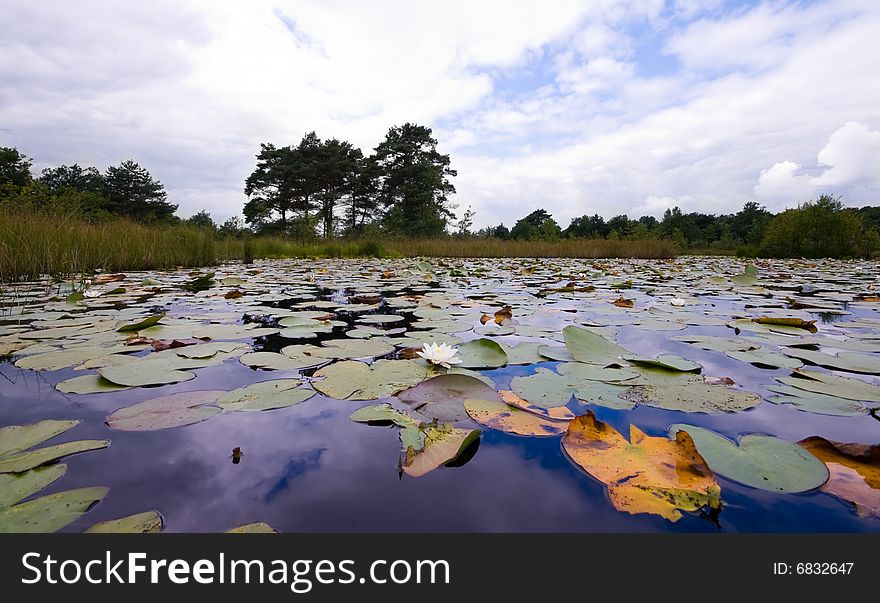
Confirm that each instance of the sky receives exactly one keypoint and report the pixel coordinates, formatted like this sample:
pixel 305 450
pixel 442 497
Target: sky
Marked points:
pixel 577 107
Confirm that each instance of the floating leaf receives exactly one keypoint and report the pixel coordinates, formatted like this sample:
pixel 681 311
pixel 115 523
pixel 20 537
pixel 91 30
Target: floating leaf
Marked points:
pixel 587 383
pixel 765 358
pixel 443 444
pixel 88 384
pixel 265 395
pixel 645 475
pixel 141 324
pixel 443 397
pixel 687 392
pixel 816 403
pixel 717 344
pixel 174 410
pixel 558 413
pixel 384 412
pixel 15 487
pixel 851 362
pixel 509 419
pixel 353 348
pixel 353 380
pixel 832 385
pixel 271 361
pixel 49 513
pixel 259 527
pixel 149 522
pixel 759 461
pixel 800 323
pixel 586 346
pixel 854 472
pixel 482 354
pixel 669 362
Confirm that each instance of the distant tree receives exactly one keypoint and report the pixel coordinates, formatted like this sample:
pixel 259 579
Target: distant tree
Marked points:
pixel 537 225
pixel 15 167
pixel 362 203
pixel 749 224
pixel 74 177
pixel 414 182
pixel 466 222
pixel 821 228
pixel 587 227
pixel 336 172
pixel 132 192
pixel 281 185
pixel 619 227
pixel 201 220
pixel 232 227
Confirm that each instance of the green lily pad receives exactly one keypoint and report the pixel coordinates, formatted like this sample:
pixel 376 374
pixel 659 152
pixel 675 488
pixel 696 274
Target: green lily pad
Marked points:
pixel 53 361
pixel 149 522
pixel 384 413
pixel 851 362
pixel 524 353
pixel 379 319
pixel 141 324
pixel 165 412
pixel 821 404
pixel 482 354
pixel 832 385
pixel 765 358
pixel 555 352
pixel 88 384
pixel 15 487
pixel 443 397
pixel 146 371
pixel 265 395
pixel 586 346
pixel 717 344
pixel 353 380
pixel 588 383
pixel 16 440
pixel 260 527
pixel 49 513
pixel 416 339
pixel 687 392
pixel 272 361
pixel 353 348
pixel 759 461
pixel 669 362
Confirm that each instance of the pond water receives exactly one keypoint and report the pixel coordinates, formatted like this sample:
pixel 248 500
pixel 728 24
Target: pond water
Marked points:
pixel 308 467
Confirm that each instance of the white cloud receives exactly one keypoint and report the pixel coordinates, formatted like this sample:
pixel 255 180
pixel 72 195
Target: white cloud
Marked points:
pixel 852 156
pixel 565 109
pixel 783 185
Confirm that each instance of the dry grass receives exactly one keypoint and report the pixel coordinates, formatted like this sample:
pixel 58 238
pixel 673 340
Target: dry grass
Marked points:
pixel 495 248
pixel 35 244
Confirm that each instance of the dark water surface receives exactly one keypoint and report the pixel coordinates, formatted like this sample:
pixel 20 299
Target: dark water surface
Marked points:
pixel 308 468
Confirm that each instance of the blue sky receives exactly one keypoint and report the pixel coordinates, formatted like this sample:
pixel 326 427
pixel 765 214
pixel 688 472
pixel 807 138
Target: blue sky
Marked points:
pixel 579 107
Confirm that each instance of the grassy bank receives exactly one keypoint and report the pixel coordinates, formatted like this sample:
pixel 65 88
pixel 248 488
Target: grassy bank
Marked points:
pixel 34 244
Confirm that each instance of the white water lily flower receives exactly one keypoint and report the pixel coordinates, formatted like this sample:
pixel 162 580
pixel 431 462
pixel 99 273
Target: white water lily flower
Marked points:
pixel 440 353
pixel 676 301
pixel 92 293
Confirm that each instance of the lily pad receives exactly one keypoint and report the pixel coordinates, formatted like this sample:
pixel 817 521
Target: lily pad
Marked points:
pixel 49 513
pixel 265 395
pixel 558 413
pixel 821 404
pixel 259 527
pixel 17 440
pixel 353 348
pixel 717 344
pixel 165 412
pixel 443 444
pixel 149 522
pixel 854 472
pixel 669 362
pixel 687 392
pixel 141 324
pixel 146 371
pixel 482 354
pixel 588 383
pixel 832 385
pixel 586 346
pixel 509 419
pixel 759 461
pixel 765 358
pixel 88 384
pixel 646 474
pixel 15 487
pixel 353 380
pixel 851 362
pixel 443 397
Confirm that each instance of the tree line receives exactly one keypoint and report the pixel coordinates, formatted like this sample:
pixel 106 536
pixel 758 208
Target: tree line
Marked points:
pixel 330 189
